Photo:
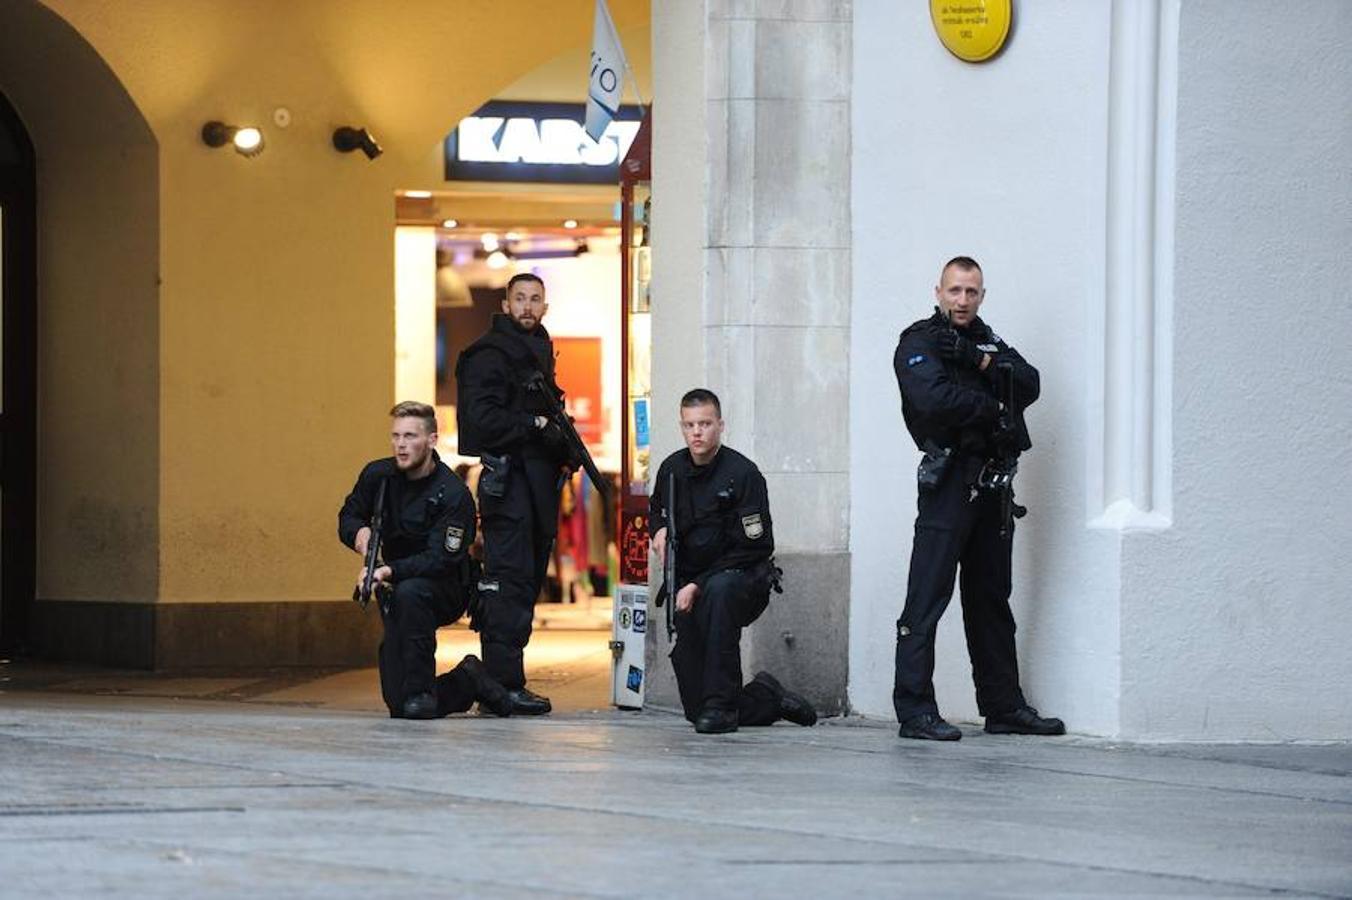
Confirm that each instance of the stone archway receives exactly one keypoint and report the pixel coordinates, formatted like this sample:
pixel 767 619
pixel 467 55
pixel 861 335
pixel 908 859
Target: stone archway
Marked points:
pixel 97 334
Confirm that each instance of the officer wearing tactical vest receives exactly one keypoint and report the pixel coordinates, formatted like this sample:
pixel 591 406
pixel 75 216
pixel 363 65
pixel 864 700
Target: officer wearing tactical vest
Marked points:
pixel 951 368
pixel 724 573
pixel 426 578
pixel 503 420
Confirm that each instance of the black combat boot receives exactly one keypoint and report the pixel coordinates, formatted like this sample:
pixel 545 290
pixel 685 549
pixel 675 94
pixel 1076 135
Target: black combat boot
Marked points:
pixel 928 727
pixel 491 695
pixel 528 703
pixel 793 707
pixel 1024 720
pixel 420 706
pixel 716 721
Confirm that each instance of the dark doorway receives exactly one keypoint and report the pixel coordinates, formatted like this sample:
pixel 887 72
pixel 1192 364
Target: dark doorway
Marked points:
pixel 18 398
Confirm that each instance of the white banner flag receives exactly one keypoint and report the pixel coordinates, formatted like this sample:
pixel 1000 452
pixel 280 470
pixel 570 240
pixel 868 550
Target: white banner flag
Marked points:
pixel 605 81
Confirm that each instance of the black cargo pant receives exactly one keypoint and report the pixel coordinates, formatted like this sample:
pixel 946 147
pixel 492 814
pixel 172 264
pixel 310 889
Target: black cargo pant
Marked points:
pixel 707 655
pixel 955 529
pixel 407 656
pixel 519 529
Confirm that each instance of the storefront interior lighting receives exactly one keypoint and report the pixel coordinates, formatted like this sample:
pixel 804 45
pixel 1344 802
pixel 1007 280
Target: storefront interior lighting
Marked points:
pixel 513 235
pixel 346 139
pixel 246 139
pixel 570 223
pixel 449 223
pixel 490 241
pixel 497 259
pixel 417 195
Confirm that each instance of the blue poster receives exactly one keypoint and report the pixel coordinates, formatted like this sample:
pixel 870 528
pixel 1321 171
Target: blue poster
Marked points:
pixel 641 423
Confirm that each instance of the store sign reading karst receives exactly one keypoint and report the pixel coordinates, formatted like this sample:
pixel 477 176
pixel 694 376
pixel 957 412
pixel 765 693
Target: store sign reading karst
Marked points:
pixel 539 142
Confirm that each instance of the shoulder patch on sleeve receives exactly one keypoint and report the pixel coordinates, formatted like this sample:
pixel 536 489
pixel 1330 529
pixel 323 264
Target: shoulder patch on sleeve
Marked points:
pixel 454 538
pixel 915 360
pixel 752 526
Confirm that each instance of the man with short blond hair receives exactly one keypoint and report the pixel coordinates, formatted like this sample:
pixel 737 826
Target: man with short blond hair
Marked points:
pixel 953 370
pixel 426 575
pixel 725 571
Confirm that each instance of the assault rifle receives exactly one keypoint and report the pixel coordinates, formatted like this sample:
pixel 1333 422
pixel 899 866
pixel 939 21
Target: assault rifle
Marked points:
pixel 666 594
pixel 362 594
pixel 998 474
pixel 571 437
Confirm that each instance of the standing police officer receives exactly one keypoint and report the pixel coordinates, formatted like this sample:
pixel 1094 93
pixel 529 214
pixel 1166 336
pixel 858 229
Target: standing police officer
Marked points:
pixel 724 573
pixel 502 414
pixel 426 576
pixel 950 369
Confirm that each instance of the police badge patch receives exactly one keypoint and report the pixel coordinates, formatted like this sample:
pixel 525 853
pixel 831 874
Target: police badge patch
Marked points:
pixel 752 526
pixel 454 538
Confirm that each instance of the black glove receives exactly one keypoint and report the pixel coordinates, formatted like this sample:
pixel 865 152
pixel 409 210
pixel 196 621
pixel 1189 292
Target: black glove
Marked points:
pixel 957 349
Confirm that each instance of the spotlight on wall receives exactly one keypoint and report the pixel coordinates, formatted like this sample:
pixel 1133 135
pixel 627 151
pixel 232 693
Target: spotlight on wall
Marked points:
pixel 246 139
pixel 346 139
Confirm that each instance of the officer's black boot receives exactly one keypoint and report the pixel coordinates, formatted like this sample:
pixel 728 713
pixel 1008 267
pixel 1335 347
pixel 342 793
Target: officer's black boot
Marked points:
pixel 526 702
pixel 793 707
pixel 928 727
pixel 420 706
pixel 1024 720
pixel 716 721
pixel 491 695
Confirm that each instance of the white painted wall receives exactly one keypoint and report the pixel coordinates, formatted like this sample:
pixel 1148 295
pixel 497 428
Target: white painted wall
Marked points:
pixel 1005 162
pixel 1236 621
pixel 1180 574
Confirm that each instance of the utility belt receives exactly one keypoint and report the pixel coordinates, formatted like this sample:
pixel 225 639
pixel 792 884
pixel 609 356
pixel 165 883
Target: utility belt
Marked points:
pixel 981 473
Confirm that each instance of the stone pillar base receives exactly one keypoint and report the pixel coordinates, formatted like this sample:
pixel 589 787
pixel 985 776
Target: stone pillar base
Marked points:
pixel 802 638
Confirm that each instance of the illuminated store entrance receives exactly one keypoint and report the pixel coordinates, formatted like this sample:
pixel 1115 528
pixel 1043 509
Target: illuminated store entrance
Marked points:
pixel 558 217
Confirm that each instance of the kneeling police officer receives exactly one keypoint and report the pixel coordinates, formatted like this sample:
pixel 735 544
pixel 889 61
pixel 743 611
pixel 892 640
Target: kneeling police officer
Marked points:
pixel 724 573
pixel 427 578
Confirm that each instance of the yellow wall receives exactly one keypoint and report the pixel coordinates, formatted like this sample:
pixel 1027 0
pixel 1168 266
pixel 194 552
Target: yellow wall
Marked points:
pixel 275 336
pixel 98 312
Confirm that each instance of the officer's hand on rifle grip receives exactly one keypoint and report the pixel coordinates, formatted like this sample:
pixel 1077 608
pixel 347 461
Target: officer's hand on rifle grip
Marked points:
pixel 360 542
pixel 659 544
pixel 956 348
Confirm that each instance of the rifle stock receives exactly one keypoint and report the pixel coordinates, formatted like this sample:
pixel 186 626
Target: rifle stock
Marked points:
pixel 575 443
pixel 362 594
pixel 668 590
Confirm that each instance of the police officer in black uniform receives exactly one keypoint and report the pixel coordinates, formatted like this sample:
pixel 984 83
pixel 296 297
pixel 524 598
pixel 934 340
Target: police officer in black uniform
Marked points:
pixel 426 577
pixel 501 409
pixel 725 571
pixel 950 369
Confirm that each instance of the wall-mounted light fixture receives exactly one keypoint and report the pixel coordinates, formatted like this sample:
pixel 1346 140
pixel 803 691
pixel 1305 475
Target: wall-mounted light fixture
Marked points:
pixel 246 139
pixel 346 139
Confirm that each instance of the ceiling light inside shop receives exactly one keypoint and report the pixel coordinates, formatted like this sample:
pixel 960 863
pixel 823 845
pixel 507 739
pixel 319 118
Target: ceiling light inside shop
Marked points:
pixel 449 223
pixel 497 259
pixel 514 235
pixel 570 223
pixel 417 195
pixel 489 241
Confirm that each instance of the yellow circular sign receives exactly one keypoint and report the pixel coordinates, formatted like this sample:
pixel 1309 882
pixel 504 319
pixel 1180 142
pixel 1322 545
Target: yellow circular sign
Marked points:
pixel 972 30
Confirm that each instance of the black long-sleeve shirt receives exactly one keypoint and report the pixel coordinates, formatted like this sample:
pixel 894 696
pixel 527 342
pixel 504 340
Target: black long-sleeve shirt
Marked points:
pixel 722 513
pixel 495 410
pixel 429 522
pixel 956 406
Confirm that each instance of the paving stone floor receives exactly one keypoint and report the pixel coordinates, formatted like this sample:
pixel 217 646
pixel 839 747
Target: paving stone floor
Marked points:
pixel 297 785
